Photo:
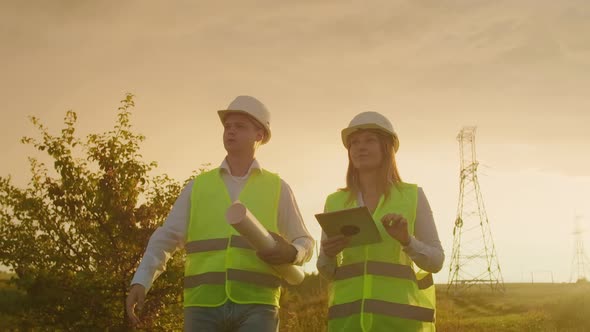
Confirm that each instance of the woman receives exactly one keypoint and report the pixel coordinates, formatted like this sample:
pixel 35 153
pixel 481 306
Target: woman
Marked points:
pixel 376 287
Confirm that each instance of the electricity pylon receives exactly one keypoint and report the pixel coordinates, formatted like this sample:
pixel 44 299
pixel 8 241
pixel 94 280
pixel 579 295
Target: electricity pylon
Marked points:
pixel 474 260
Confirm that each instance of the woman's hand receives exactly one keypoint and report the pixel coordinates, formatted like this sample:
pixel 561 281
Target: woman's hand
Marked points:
pixel 397 227
pixel 334 245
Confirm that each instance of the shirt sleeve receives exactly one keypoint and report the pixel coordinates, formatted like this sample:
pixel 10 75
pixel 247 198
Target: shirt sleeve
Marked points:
pixel 326 265
pixel 292 227
pixel 165 240
pixel 425 248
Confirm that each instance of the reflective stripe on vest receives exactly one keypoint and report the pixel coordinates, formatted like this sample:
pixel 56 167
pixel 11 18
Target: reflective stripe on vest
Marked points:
pixel 217 244
pixel 385 308
pixel 220 264
pixel 382 269
pixel 260 279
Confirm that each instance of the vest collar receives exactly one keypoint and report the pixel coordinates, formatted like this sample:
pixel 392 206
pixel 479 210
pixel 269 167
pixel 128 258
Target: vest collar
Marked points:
pixel 254 167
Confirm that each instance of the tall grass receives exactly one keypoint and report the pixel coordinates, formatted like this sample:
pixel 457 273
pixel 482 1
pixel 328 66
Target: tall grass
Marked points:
pixel 523 307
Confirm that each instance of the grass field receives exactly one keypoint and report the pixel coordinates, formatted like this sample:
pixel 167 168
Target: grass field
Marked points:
pixel 523 307
pixel 11 303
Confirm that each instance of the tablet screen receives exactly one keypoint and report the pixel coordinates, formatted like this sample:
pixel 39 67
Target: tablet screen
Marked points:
pixel 355 222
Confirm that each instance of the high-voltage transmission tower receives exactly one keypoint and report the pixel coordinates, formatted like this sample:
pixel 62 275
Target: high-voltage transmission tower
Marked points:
pixel 580 264
pixel 473 260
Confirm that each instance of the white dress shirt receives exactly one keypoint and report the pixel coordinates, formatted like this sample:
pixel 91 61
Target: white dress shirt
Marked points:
pixel 172 234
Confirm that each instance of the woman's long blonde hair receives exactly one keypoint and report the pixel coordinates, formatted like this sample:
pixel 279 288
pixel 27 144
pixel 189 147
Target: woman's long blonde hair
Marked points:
pixel 388 173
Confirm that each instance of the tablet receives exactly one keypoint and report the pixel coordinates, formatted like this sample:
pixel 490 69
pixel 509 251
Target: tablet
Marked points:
pixel 355 222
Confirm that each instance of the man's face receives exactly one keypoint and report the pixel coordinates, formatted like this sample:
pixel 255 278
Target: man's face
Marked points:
pixel 240 133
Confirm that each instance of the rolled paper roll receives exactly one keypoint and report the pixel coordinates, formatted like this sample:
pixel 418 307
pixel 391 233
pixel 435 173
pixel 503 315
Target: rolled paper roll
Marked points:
pixel 243 221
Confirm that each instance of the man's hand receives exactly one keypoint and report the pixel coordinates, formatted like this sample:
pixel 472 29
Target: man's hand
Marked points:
pixel 283 253
pixel 397 227
pixel 334 245
pixel 135 299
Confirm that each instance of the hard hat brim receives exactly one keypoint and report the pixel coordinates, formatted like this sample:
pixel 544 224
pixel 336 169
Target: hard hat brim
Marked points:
pixel 223 113
pixel 348 131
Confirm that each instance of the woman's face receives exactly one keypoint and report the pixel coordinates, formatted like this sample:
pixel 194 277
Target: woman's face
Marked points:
pixel 365 150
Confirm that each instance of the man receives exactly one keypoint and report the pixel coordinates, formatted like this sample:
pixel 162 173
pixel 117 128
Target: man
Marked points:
pixel 228 286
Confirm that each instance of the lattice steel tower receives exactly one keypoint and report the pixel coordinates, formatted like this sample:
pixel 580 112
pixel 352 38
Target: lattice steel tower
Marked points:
pixel 580 264
pixel 474 260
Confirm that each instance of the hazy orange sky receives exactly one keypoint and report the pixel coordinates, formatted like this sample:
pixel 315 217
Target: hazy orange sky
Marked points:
pixel 519 70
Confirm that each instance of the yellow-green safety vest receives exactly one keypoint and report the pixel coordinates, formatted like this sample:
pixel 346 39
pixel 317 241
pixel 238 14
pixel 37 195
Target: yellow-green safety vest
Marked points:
pixel 220 264
pixel 375 287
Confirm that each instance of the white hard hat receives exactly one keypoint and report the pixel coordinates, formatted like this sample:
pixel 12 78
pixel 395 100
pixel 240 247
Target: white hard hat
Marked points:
pixel 369 120
pixel 252 107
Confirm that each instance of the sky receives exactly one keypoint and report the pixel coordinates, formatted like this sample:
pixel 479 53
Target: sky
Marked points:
pixel 518 70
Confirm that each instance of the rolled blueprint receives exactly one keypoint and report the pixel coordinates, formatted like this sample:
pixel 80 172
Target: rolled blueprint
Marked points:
pixel 249 227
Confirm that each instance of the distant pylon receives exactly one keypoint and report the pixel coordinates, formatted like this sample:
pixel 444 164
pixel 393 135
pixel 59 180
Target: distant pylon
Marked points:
pixel 580 264
pixel 473 260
